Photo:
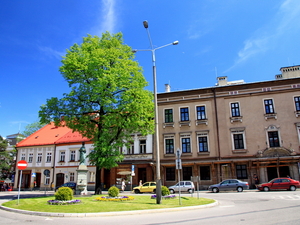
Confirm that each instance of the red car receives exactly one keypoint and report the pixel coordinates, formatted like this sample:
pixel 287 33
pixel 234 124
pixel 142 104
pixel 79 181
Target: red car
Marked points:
pixel 279 184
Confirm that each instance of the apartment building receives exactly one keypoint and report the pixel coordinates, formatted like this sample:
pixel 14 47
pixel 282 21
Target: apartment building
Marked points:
pixel 232 130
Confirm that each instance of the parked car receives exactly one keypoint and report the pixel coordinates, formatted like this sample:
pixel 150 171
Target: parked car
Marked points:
pixel 71 185
pixel 280 184
pixel 146 187
pixel 229 185
pixel 184 186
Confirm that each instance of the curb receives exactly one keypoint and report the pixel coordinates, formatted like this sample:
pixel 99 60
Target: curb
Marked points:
pixel 119 213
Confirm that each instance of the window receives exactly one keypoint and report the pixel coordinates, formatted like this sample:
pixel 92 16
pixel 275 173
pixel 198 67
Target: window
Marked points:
pixel 202 143
pixel 184 114
pixel 201 113
pixel 238 141
pixel 49 154
pixel 169 146
pixel 23 156
pixel 142 146
pixel 297 103
pixel 92 177
pixel 168 115
pixel 186 145
pixel 186 173
pixel 30 158
pixel 205 172
pixel 273 139
pixel 241 172
pixel 62 156
pixel 235 109
pixel 72 156
pixel 72 177
pixel 47 181
pixel 238 138
pixel 170 173
pixel 269 108
pixel 130 149
pixel 39 158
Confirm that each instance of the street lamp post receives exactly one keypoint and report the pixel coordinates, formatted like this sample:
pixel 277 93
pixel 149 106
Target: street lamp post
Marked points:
pixel 158 178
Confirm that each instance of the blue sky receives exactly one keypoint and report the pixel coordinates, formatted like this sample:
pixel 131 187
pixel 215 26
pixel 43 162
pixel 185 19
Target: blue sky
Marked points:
pixel 245 40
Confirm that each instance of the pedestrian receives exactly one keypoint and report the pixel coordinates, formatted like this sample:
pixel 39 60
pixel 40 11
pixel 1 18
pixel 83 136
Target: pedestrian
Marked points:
pixel 256 180
pixel 141 183
pixel 288 176
pixel 123 185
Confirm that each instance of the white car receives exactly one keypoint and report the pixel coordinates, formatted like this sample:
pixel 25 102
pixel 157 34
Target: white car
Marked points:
pixel 184 186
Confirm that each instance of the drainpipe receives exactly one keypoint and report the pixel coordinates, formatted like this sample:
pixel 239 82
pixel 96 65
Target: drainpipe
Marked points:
pixel 217 123
pixel 53 167
pixel 218 134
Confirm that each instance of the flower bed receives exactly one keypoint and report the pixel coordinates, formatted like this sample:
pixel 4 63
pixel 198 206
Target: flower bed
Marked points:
pixel 164 197
pixel 57 202
pixel 114 199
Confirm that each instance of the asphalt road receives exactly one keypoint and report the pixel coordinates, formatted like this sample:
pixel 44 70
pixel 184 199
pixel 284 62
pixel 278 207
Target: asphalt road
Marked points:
pixel 248 207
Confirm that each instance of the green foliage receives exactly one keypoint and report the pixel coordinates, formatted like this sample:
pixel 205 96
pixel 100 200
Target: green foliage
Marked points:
pixel 6 159
pixel 33 127
pixel 164 191
pixel 107 102
pixel 64 194
pixel 113 191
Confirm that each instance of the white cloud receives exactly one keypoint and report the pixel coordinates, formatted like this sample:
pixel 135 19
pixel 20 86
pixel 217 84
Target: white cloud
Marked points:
pixel 107 19
pixel 265 38
pixel 51 52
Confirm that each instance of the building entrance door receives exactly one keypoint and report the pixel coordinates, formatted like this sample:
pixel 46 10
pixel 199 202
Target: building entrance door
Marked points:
pixel 282 171
pixel 60 179
pixel 38 180
pixel 142 175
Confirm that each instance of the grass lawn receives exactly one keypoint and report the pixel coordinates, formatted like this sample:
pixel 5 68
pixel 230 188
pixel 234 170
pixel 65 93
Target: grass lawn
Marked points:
pixel 89 205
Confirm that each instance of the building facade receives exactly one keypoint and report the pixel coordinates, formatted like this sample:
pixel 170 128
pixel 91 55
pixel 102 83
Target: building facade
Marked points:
pixel 52 154
pixel 232 130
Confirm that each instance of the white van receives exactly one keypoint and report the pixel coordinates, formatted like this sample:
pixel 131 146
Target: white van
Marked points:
pixel 184 186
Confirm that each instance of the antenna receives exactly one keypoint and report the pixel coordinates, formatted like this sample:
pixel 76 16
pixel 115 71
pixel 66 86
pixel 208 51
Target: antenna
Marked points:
pixel 216 72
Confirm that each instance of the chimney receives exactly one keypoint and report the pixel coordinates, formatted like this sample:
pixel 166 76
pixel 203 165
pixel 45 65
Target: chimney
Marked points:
pixel 222 81
pixel 167 88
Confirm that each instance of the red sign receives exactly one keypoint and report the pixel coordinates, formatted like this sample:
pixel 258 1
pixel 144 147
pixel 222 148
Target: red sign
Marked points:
pixel 22 165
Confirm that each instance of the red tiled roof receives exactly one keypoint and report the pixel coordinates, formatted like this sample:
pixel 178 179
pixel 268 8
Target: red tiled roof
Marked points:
pixel 47 135
pixel 71 137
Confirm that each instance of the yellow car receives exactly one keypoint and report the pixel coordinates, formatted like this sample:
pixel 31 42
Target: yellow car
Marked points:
pixel 146 187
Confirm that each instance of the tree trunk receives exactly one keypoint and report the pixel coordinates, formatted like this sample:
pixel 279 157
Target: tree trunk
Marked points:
pixel 98 186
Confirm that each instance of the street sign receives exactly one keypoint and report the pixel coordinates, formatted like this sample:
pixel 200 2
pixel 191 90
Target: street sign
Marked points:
pixel 132 170
pixel 178 164
pixel 178 153
pixel 22 165
pixel 47 172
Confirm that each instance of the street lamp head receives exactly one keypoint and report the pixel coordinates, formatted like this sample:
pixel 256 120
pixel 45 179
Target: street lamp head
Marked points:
pixel 134 50
pixel 145 23
pixel 175 43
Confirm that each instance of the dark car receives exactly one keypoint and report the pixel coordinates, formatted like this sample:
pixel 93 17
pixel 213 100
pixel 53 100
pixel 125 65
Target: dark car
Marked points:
pixel 229 185
pixel 71 185
pixel 280 184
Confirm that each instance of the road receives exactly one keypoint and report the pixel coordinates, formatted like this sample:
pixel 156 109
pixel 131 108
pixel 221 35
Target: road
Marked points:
pixel 248 207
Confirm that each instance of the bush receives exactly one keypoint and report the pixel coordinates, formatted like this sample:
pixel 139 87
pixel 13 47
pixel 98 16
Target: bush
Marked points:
pixel 164 191
pixel 113 191
pixel 64 194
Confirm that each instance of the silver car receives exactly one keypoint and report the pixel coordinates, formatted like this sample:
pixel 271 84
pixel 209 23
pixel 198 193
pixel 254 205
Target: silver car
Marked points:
pixel 229 185
pixel 184 186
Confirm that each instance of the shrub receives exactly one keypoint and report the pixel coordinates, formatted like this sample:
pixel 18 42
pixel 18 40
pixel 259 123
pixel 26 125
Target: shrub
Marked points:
pixel 113 191
pixel 164 191
pixel 64 194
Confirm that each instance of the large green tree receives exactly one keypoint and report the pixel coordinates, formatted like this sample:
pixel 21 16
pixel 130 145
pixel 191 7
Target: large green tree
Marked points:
pixel 107 101
pixel 6 158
